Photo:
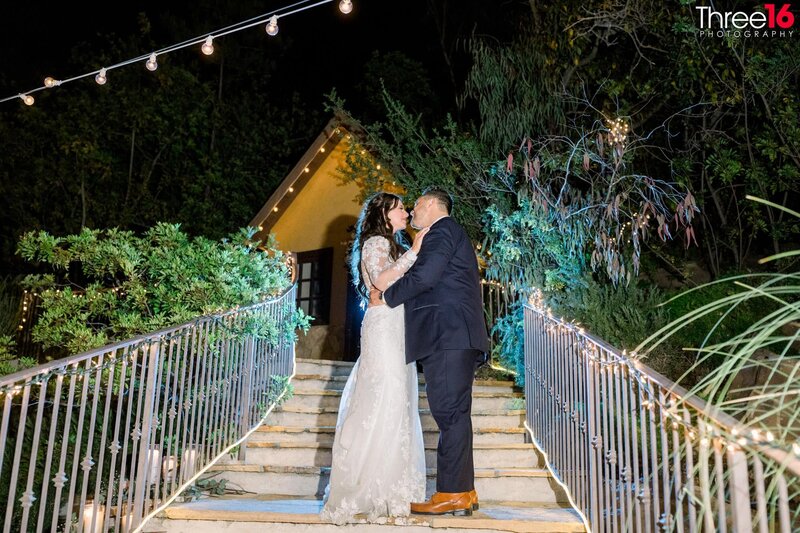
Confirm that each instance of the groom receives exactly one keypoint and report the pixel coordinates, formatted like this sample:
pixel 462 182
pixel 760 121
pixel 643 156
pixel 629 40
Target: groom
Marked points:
pixel 446 333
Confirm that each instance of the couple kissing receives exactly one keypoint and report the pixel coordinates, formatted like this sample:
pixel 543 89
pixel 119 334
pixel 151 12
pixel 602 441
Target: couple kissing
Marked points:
pixel 425 307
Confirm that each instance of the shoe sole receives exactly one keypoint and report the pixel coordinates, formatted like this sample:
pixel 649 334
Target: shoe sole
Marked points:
pixel 456 512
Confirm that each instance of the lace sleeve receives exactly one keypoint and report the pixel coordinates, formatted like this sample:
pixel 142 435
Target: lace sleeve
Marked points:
pixel 379 267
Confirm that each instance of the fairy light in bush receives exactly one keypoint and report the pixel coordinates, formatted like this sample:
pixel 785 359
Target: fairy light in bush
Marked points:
pixel 270 18
pixel 618 131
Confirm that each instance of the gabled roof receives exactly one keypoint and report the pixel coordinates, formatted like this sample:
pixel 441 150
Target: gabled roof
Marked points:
pixel 299 176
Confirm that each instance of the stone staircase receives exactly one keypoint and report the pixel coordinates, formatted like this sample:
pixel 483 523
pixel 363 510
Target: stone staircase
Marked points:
pixel 288 463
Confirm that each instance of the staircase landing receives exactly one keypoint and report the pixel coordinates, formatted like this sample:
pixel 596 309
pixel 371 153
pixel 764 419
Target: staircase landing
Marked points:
pixel 288 464
pixel 294 514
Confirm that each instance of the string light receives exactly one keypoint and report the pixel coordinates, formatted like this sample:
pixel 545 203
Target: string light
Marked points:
pixel 346 6
pixel 270 17
pixel 50 82
pixel 208 46
pixel 736 437
pixel 28 99
pixel 272 26
pixel 101 77
pixel 151 64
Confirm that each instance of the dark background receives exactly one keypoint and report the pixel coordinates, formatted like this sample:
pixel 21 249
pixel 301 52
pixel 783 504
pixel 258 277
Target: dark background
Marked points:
pixel 316 50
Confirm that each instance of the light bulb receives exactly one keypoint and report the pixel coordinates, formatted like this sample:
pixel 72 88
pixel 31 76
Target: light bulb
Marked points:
pixel 346 6
pixel 208 46
pixel 28 99
pixel 151 64
pixel 272 26
pixel 101 77
pixel 275 209
pixel 291 189
pixel 51 82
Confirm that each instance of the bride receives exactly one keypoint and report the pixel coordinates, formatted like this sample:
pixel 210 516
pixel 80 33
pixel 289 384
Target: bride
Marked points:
pixel 378 453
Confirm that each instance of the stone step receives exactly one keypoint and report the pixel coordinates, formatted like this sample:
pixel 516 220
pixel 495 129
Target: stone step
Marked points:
pixel 323 367
pixel 320 382
pixel 288 415
pixel 526 484
pixel 431 436
pixel 480 400
pixel 295 515
pixel 319 454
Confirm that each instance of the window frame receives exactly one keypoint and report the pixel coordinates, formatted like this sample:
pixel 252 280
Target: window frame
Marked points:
pixel 320 271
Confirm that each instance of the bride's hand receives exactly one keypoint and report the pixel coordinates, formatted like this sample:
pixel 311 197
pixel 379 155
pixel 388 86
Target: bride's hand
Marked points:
pixel 418 239
pixel 375 298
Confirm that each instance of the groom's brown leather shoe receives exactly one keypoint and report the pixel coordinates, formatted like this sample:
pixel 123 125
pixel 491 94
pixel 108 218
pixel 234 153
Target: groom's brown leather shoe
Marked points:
pixel 458 503
pixel 474 496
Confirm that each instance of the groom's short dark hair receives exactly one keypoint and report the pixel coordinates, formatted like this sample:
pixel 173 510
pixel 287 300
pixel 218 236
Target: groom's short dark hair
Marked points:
pixel 444 198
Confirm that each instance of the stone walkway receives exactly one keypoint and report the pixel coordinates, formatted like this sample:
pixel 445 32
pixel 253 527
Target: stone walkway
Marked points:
pixel 288 463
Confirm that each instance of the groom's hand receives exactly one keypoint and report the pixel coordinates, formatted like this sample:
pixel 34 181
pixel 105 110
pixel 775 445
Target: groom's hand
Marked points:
pixel 375 298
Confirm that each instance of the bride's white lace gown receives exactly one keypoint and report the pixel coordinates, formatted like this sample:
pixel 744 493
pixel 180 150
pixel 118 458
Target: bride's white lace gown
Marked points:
pixel 378 453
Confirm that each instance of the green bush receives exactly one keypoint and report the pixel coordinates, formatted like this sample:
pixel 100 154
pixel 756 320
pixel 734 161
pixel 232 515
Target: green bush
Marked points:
pixel 109 285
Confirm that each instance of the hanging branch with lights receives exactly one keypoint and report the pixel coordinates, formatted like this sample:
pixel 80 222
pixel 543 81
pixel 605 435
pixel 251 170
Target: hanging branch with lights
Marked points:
pixel 206 42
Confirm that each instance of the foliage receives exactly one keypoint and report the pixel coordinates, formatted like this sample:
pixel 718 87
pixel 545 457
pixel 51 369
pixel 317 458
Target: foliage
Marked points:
pixel 621 316
pixel 10 307
pixel 748 374
pixel 397 74
pixel 516 89
pixel 584 187
pixel 510 350
pixel 111 284
pixel 414 158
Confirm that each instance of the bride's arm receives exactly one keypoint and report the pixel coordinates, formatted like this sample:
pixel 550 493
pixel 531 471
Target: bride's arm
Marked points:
pixel 382 273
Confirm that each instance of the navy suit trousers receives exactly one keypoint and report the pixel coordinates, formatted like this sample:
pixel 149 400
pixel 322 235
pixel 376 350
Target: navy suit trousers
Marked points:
pixel 448 381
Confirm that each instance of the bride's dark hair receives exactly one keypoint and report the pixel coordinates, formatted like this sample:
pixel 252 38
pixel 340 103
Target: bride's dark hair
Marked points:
pixel 371 222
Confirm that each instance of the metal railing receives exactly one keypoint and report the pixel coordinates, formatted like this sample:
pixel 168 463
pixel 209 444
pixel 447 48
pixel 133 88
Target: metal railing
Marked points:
pixel 636 452
pixel 496 299
pixel 102 440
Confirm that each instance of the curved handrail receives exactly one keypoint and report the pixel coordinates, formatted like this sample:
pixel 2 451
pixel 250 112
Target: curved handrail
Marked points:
pixel 114 433
pixel 638 452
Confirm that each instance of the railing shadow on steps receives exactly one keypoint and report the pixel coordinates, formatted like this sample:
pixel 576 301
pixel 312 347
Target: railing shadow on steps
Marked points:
pixel 103 440
pixel 637 452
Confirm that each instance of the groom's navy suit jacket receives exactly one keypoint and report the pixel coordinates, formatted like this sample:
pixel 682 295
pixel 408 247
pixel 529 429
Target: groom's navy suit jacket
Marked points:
pixel 441 293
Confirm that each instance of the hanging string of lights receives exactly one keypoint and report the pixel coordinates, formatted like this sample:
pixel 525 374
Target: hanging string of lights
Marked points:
pixel 206 42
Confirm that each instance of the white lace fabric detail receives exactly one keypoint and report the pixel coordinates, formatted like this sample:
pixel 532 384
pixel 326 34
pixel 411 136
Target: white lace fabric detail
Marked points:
pixel 378 451
pixel 377 268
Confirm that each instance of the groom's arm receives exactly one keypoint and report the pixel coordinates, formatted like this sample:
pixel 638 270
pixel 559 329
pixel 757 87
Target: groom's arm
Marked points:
pixel 426 271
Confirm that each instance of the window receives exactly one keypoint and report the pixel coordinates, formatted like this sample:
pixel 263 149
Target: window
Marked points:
pixel 314 284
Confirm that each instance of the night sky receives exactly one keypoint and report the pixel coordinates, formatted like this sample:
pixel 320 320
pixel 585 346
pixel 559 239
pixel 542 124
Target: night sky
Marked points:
pixel 325 48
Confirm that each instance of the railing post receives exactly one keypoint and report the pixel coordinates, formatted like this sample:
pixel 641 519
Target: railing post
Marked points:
pixel 591 443
pixel 740 491
pixel 141 481
pixel 247 392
